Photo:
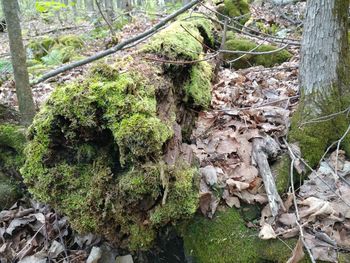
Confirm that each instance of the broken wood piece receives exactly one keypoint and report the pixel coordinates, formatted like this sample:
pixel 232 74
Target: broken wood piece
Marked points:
pixel 263 149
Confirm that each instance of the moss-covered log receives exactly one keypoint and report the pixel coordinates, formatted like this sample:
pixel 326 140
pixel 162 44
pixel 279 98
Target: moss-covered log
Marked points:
pixel 249 60
pixel 108 151
pixel 238 9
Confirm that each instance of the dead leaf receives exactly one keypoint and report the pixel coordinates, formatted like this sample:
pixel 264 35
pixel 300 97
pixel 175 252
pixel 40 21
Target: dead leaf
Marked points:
pixel 267 232
pixel 298 253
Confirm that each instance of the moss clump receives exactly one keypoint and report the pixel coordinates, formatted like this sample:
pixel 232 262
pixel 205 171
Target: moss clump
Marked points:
pixel 198 87
pixel 41 47
pixel 53 51
pixel 182 39
pixel 235 8
pixel 12 142
pixel 95 155
pixel 227 239
pixel 141 138
pixel 71 41
pixel 266 60
pixel 314 138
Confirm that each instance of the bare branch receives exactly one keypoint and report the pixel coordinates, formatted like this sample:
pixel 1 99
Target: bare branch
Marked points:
pixel 117 47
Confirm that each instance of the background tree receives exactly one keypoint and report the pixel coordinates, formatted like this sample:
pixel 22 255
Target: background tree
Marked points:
pixel 18 57
pixel 322 118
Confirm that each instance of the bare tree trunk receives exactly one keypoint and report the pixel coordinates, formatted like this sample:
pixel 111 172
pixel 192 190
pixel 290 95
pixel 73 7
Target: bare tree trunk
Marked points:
pixel 18 57
pixel 324 78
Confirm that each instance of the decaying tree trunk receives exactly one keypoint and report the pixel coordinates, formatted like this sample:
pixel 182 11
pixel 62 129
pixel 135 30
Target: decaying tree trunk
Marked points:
pixel 110 151
pixel 324 79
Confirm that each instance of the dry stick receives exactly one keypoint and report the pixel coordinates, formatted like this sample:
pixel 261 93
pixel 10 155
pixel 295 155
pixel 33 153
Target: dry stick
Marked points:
pixel 28 243
pixel 326 117
pixel 302 238
pixel 258 106
pixel 250 28
pixel 117 47
pixel 61 238
pixel 254 53
pixel 182 62
pixel 242 56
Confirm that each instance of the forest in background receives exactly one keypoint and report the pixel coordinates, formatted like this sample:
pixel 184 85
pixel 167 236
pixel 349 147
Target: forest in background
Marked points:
pixel 174 131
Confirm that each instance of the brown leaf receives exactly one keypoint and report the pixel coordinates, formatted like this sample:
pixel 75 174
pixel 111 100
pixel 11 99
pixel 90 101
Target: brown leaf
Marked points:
pixel 298 253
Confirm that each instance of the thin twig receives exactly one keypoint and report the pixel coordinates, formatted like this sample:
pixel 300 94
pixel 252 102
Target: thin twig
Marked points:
pixel 61 238
pixel 182 62
pixel 326 117
pixel 338 146
pixel 316 173
pixel 245 54
pixel 302 237
pixel 254 53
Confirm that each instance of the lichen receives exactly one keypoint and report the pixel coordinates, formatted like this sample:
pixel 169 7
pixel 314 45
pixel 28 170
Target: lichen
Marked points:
pixel 226 239
pixel 249 60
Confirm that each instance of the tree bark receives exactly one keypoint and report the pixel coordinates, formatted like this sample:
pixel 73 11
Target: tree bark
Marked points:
pixel 324 78
pixel 18 57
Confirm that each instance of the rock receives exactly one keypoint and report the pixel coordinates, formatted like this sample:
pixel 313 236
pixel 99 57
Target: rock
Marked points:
pixel 209 175
pixel 95 255
pixel 125 259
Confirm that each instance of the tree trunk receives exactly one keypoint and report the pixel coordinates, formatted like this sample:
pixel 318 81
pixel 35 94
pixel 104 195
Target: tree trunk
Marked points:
pixel 324 78
pixel 18 57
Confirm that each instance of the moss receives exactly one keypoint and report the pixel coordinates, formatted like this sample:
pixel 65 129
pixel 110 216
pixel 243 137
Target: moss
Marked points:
pixel 41 47
pixel 182 40
pixel 182 200
pixel 235 8
pixel 9 192
pixel 71 41
pixel 314 138
pixel 95 155
pixel 281 171
pixel 266 60
pixel 198 87
pixel 226 238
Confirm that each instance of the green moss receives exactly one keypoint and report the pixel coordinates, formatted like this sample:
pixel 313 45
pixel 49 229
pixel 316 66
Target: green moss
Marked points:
pixel 198 87
pixel 182 40
pixel 9 192
pixel 227 239
pixel 41 47
pixel 95 155
pixel 71 41
pixel 266 60
pixel 182 200
pixel 235 8
pixel 314 138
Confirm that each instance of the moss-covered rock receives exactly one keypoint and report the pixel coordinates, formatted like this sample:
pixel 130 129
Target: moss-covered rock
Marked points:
pixel 266 60
pixel 234 9
pixel 226 239
pixel 41 47
pixel 71 41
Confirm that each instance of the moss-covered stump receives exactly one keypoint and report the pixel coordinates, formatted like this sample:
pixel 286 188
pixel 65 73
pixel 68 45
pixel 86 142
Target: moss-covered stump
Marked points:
pixel 235 9
pixel 249 60
pixel 226 239
pixel 12 142
pixel 108 151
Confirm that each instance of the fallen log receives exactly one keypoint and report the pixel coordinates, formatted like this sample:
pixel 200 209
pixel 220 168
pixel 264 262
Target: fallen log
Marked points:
pixel 110 151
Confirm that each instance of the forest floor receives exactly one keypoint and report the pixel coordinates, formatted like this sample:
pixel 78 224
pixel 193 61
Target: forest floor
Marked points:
pixel 246 104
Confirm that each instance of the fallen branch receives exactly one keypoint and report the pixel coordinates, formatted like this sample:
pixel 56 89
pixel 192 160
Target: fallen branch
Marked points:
pixel 117 47
pixel 263 149
pixel 253 52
